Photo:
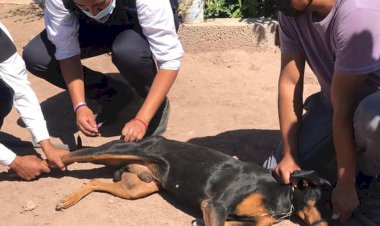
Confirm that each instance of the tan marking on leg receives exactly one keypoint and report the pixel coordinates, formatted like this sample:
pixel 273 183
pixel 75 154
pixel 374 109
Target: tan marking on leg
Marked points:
pixel 252 206
pixel 264 220
pixel 212 215
pixel 130 187
pixel 206 212
pixel 310 213
pixel 239 223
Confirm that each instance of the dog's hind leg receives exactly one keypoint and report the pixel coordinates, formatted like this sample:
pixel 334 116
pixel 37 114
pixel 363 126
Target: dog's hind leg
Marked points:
pixel 130 187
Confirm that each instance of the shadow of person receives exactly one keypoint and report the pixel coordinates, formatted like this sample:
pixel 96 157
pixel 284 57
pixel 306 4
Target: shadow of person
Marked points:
pixel 17 145
pixel 253 145
pixel 61 121
pixel 59 118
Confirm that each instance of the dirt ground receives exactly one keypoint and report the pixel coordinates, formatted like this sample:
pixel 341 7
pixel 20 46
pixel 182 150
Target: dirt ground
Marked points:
pixel 225 100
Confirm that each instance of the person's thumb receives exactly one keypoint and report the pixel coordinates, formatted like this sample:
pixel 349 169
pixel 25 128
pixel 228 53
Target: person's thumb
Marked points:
pixel 44 167
pixel 336 213
pixel 61 166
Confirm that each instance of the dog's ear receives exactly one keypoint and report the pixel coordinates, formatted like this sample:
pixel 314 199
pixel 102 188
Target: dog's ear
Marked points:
pixel 308 178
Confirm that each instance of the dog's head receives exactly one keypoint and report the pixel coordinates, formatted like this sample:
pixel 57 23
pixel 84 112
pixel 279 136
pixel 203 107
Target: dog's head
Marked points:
pixel 307 191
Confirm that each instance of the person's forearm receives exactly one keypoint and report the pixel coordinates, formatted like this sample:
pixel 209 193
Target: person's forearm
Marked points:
pixel 72 73
pixel 160 88
pixel 290 113
pixel 345 147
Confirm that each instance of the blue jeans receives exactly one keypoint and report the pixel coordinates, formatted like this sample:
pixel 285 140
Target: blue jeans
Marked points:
pixel 316 146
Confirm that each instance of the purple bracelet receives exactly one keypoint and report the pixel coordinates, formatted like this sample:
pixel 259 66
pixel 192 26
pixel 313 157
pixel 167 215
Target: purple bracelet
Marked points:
pixel 78 105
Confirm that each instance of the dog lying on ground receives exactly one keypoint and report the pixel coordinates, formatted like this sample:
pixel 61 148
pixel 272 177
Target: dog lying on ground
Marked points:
pixel 227 190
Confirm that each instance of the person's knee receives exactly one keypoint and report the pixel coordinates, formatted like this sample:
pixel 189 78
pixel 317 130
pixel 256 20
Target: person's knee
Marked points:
pixel 31 58
pixel 367 120
pixel 6 100
pixel 131 50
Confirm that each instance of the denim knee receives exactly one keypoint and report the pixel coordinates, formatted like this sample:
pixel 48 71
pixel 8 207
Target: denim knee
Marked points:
pixel 367 134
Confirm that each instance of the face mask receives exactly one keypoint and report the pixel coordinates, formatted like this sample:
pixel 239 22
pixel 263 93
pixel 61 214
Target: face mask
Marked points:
pixel 103 15
pixel 286 7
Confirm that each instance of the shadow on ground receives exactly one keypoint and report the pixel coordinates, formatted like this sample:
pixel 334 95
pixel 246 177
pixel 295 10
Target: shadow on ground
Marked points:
pixel 60 118
pixel 251 145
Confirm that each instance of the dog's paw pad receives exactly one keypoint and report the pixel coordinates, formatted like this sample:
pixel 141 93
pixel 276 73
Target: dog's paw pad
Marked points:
pixel 63 204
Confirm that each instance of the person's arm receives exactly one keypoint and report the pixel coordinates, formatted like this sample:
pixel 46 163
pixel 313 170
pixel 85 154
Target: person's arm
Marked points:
pixel 344 95
pixel 27 167
pixel 71 69
pixel 25 100
pixel 157 23
pixel 62 29
pixel 290 102
pixel 160 88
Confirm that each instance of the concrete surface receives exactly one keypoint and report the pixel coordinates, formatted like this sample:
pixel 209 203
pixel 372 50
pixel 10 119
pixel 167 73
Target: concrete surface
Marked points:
pixel 250 34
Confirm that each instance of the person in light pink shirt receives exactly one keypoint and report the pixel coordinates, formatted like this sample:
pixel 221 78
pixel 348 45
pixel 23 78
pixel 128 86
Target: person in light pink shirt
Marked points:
pixel 340 41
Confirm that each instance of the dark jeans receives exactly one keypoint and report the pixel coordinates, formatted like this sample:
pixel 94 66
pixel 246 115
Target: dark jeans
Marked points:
pixel 316 146
pixel 6 100
pixel 131 55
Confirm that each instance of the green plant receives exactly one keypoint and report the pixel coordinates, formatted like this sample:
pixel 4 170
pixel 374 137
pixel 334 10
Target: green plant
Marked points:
pixel 222 8
pixel 238 8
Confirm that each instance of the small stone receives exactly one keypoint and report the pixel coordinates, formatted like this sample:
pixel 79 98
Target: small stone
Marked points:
pixel 29 206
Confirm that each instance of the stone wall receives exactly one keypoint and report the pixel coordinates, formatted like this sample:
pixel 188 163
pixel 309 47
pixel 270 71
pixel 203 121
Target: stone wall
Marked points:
pixel 221 34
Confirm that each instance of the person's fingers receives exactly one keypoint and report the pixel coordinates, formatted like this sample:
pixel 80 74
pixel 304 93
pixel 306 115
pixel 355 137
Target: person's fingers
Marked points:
pixel 89 127
pixel 60 165
pixel 140 136
pixel 130 134
pixel 44 167
pixel 84 129
pixel 344 217
pixel 285 177
pixel 335 210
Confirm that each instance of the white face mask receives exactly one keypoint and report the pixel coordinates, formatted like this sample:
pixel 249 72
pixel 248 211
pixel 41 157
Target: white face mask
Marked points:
pixel 103 15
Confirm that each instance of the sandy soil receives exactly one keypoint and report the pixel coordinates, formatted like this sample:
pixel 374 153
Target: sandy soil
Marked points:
pixel 225 100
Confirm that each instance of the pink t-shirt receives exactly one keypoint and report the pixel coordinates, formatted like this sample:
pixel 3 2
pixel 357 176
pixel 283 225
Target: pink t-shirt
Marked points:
pixel 347 40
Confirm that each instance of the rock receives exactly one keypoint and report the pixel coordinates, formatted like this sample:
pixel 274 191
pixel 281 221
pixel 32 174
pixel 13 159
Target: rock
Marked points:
pixel 29 206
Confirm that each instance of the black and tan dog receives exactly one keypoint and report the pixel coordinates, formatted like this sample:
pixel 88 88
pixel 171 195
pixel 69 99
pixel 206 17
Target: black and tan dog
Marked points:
pixel 227 190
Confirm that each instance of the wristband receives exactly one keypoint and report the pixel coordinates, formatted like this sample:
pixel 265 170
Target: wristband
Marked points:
pixel 78 105
pixel 142 122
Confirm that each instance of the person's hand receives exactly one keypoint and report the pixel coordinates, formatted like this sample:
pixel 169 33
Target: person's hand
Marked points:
pixel 344 201
pixel 286 166
pixel 54 154
pixel 29 167
pixel 134 130
pixel 86 122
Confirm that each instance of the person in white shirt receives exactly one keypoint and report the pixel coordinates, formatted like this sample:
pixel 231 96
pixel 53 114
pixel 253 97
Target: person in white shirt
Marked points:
pixel 15 88
pixel 142 37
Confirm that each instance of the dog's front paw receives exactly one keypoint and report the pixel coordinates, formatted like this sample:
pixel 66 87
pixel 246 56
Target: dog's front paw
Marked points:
pixel 65 203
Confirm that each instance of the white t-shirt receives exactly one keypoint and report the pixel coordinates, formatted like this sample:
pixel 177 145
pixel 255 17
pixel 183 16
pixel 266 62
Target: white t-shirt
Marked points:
pixel 155 18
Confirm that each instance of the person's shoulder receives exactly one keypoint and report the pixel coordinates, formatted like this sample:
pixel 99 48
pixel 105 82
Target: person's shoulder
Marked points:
pixel 351 8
